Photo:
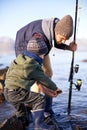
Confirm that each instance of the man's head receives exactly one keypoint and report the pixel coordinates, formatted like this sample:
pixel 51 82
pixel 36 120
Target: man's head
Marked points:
pixel 37 46
pixel 64 29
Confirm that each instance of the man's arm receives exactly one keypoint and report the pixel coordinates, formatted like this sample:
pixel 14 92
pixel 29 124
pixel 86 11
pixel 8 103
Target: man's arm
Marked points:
pixel 71 47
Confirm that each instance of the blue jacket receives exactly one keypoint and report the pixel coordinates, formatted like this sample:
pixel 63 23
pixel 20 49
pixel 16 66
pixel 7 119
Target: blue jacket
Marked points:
pixel 43 28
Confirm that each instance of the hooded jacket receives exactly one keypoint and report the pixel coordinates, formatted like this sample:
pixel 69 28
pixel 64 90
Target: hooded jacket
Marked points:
pixel 24 71
pixel 43 28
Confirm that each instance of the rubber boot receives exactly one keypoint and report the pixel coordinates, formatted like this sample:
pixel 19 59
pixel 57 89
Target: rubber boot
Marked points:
pixel 38 119
pixel 23 115
pixel 49 115
pixel 48 107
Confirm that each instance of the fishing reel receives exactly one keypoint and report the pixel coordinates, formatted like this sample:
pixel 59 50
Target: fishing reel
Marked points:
pixel 78 84
pixel 76 68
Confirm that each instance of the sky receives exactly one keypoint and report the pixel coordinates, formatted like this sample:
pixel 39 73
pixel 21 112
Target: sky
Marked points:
pixel 14 14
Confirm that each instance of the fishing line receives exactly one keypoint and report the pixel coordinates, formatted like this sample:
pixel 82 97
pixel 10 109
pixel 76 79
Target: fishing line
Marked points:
pixel 79 15
pixel 53 48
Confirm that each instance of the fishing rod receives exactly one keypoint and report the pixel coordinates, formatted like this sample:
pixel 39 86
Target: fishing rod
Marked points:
pixel 73 69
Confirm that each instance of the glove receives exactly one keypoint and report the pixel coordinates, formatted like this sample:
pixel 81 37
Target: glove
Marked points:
pixel 73 46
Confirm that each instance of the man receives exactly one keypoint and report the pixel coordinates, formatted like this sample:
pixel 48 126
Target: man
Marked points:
pixel 54 32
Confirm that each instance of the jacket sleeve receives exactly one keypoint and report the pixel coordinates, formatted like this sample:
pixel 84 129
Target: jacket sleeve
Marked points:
pixel 40 76
pixel 61 46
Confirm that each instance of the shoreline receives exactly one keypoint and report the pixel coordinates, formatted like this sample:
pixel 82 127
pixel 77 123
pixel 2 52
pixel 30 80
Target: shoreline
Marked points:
pixel 85 60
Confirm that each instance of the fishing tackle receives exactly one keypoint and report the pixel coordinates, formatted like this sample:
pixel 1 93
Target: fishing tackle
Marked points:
pixel 79 84
pixel 76 68
pixel 73 69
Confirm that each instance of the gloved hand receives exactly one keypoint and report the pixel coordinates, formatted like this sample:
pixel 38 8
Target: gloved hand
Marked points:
pixel 49 92
pixel 39 88
pixel 73 46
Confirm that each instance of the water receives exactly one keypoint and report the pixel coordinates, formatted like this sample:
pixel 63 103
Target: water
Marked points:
pixel 61 64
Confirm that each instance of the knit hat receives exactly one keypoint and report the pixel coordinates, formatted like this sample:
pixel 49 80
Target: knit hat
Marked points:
pixel 65 26
pixel 37 46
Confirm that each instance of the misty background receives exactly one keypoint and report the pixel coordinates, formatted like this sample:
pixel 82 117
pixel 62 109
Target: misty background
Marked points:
pixel 15 15
pixel 7 45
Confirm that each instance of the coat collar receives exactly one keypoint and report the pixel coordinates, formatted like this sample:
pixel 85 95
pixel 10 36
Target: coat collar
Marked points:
pixel 32 55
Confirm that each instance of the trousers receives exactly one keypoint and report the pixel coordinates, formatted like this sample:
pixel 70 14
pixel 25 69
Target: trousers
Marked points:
pixel 21 96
